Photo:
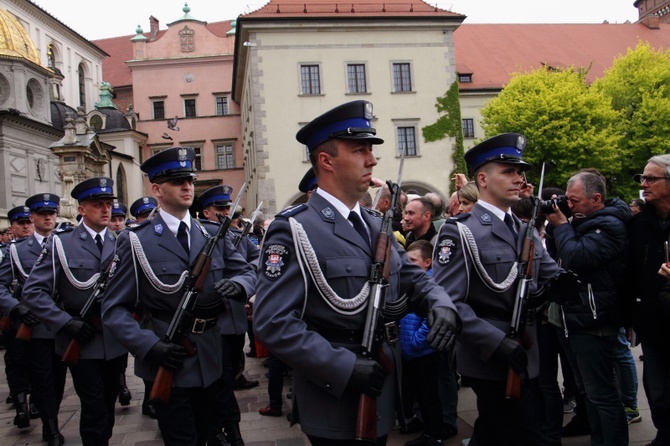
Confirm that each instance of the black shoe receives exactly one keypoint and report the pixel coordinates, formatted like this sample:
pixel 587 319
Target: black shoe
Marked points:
pixel 449 431
pixel 124 396
pixel 576 426
pixel 34 411
pixel 233 434
pixel 243 383
pixel 10 399
pixel 149 410
pixel 22 418
pixel 413 426
pixel 424 440
pixel 218 440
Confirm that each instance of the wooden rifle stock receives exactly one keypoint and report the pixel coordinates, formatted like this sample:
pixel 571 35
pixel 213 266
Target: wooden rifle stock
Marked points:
pixel 5 322
pixel 72 352
pixel 162 386
pixel 24 332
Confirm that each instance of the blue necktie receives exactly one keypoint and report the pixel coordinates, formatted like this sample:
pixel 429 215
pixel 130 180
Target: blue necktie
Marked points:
pixel 359 226
pixel 182 236
pixel 510 225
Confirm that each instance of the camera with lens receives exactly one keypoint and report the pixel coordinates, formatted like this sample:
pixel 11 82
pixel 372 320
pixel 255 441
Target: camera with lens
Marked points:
pixel 561 201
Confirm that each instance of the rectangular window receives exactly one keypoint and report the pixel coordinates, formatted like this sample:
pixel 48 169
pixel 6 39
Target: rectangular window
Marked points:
pixel 221 105
pixel 189 108
pixel 465 78
pixel 468 128
pixel 309 79
pixel 407 141
pixel 159 109
pixel 356 78
pixel 197 163
pixel 225 157
pixel 402 80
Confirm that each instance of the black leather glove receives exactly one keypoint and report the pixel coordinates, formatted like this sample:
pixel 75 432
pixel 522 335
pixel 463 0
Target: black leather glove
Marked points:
pixel 79 330
pixel 565 289
pixel 170 356
pixel 23 314
pixel 367 377
pixel 228 289
pixel 513 354
pixel 444 324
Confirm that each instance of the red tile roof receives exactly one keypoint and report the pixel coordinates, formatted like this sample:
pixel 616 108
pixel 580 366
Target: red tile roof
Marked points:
pixel 120 50
pixel 493 52
pixel 351 8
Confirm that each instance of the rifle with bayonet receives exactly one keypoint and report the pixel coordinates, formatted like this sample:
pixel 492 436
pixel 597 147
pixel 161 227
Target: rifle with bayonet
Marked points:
pixel 177 332
pixel 373 333
pixel 89 313
pixel 525 277
pixel 247 226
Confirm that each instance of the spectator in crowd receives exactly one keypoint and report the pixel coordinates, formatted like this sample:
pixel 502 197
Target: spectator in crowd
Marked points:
pixel 438 207
pixel 636 205
pixel 594 245
pixel 649 231
pixel 467 197
pixel 453 205
pixel 418 220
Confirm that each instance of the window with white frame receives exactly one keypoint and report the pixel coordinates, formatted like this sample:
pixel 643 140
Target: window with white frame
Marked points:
pixel 197 162
pixel 222 105
pixel 310 79
pixel 225 156
pixel 402 77
pixel 407 141
pixel 468 128
pixel 356 78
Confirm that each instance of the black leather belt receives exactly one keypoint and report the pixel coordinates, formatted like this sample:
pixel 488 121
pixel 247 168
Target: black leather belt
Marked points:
pixel 195 325
pixel 340 335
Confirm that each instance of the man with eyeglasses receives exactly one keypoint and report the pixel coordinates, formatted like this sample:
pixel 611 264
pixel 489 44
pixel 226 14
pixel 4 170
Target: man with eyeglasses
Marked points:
pixel 58 287
pixel 153 258
pixel 649 232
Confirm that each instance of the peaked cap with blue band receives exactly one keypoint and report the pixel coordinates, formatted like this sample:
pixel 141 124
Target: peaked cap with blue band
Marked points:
pixel 216 196
pixel 346 121
pixel 504 148
pixel 142 205
pixel 308 181
pixel 170 164
pixel 119 209
pixel 93 188
pixel 43 202
pixel 18 213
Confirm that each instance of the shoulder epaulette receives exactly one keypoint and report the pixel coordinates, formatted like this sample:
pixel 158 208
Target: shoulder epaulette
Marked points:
pixel 63 230
pixel 372 212
pixel 207 221
pixel 136 226
pixel 291 211
pixel 460 217
pixel 19 240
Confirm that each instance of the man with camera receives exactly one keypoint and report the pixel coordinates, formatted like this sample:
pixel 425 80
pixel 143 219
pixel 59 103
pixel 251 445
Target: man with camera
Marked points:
pixel 594 245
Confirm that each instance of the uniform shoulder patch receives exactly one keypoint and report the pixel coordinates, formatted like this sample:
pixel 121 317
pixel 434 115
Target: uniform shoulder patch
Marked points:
pixel 137 226
pixel 291 211
pixel 275 260
pixel 445 249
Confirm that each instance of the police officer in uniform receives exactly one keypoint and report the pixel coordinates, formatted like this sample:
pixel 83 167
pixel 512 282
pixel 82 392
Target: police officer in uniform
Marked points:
pixel 45 369
pixel 315 325
pixel 153 261
pixel 142 208
pixel 60 284
pixel 232 326
pixel 16 360
pixel 118 221
pixel 474 260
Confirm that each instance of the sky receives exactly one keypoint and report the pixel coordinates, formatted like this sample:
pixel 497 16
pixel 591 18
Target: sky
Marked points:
pixel 121 17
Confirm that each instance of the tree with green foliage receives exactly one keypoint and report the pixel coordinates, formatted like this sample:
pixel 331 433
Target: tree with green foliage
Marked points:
pixel 638 87
pixel 567 125
pixel 449 125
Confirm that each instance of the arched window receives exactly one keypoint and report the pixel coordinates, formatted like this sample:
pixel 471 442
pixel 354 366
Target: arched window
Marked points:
pixel 96 123
pixel 51 56
pixel 82 85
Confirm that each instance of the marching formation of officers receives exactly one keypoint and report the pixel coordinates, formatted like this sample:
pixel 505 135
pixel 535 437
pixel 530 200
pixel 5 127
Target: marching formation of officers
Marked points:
pixel 171 290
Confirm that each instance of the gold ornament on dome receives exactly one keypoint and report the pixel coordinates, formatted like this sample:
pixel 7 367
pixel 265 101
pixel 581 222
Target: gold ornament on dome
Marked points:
pixel 15 40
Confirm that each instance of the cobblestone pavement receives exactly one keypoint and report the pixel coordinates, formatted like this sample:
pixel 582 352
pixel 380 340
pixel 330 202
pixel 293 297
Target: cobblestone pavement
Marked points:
pixel 132 428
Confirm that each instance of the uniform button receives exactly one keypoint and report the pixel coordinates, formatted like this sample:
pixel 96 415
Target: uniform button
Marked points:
pixel 498 258
pixel 328 386
pixel 348 269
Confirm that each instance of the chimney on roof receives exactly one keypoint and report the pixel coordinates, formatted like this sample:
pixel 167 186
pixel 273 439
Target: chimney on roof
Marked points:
pixel 154 24
pixel 651 21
